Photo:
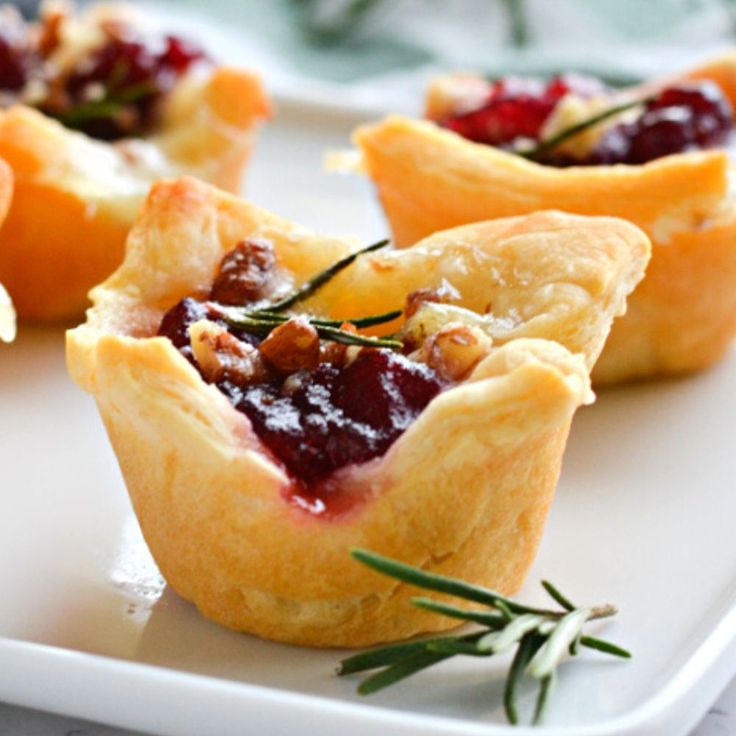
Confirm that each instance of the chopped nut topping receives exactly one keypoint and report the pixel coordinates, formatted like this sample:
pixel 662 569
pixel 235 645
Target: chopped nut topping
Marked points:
pixel 292 346
pixel 246 274
pixel 53 15
pixel 446 293
pixel 336 352
pixel 221 356
pixel 455 350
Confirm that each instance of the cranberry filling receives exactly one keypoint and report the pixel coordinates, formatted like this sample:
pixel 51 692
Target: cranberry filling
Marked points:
pixel 134 76
pixel 113 91
pixel 314 421
pixel 177 321
pixel 518 108
pixel 683 117
pixel 319 421
pixel 15 57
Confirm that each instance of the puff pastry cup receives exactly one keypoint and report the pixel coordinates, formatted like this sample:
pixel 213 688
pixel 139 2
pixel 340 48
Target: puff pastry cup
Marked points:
pixel 463 491
pixel 683 315
pixel 7 313
pixel 76 196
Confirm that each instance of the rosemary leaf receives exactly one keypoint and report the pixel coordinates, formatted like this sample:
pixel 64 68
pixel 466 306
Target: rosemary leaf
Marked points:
pixel 400 670
pixel 438 583
pixel 360 322
pixel 542 147
pixel 313 284
pixel 382 656
pixel 545 688
pixel 454 645
pixel 507 613
pixel 376 319
pixel 350 338
pixel 492 620
pixel 259 314
pixel 259 323
pixel 548 657
pixel 107 107
pixel 575 645
pixel 528 647
pixel 133 93
pixel 89 111
pixel 605 646
pixel 547 627
pixel 557 596
pixel 520 626
pixel 253 325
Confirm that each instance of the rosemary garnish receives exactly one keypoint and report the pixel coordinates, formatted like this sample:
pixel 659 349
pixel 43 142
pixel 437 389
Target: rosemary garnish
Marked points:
pixel 543 147
pixel 311 286
pixel 108 107
pixel 542 636
pixel 261 320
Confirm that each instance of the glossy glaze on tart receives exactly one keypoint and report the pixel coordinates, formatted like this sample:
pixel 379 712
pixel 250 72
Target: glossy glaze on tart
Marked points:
pixel 462 487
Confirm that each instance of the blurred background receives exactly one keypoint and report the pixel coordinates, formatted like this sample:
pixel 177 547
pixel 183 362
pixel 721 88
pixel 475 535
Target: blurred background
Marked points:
pixel 375 54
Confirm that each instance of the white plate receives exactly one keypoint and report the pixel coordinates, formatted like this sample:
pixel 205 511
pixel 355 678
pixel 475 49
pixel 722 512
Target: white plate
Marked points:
pixel 644 518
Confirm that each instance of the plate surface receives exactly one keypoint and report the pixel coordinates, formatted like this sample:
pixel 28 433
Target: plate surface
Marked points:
pixel 644 517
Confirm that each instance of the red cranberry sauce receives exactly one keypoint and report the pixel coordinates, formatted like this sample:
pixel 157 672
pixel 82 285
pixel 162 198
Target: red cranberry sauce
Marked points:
pixel 314 421
pixel 16 55
pixel 684 117
pixel 319 421
pixel 518 108
pixel 113 91
pixel 131 72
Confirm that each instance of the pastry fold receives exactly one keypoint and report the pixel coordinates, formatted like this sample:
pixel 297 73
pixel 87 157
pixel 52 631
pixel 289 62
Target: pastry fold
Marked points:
pixel 76 197
pixel 464 491
pixel 683 315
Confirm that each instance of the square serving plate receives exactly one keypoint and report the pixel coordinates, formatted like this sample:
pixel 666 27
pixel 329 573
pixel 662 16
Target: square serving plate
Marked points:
pixel 645 517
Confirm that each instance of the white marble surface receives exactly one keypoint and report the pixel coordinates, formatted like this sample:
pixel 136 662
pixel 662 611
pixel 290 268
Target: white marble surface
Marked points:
pixel 719 721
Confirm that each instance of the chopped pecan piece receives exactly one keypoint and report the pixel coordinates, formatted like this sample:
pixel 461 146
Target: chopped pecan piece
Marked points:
pixel 336 353
pixel 445 293
pixel 221 356
pixel 292 346
pixel 246 274
pixel 53 15
pixel 455 350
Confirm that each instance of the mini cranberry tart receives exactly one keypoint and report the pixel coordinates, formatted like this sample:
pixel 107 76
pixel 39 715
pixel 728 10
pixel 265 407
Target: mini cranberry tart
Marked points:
pixel 656 155
pixel 276 397
pixel 94 107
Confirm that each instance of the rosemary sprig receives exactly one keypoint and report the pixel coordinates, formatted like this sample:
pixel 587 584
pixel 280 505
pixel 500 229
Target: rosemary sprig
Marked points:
pixel 277 318
pixel 542 636
pixel 261 320
pixel 312 285
pixel 350 338
pixel 107 107
pixel 535 152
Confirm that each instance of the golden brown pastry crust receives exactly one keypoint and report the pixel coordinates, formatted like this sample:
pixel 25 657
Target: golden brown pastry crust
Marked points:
pixel 463 491
pixel 683 315
pixel 76 198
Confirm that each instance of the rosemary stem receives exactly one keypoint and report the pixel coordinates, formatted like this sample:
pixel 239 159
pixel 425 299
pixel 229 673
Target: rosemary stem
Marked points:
pixel 604 611
pixel 311 286
pixel 543 638
pixel 544 146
